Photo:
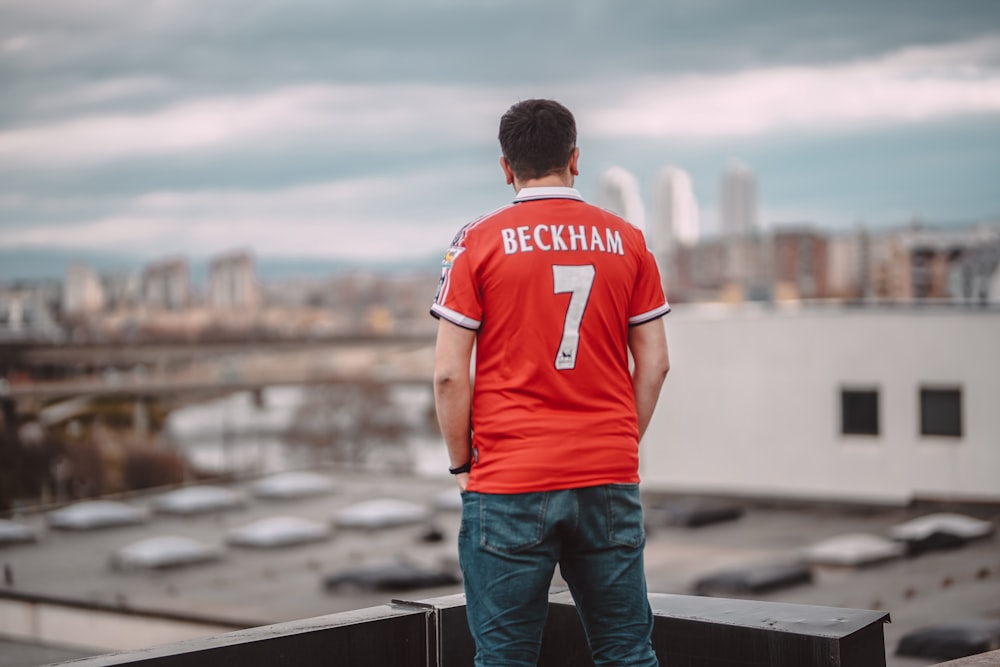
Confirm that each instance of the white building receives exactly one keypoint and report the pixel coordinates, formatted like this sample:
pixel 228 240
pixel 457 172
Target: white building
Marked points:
pixel 865 404
pixel 738 217
pixel 27 312
pixel 166 286
pixel 738 201
pixel 618 192
pixel 676 218
pixel 82 291
pixel 848 264
pixel 232 281
pixel 121 289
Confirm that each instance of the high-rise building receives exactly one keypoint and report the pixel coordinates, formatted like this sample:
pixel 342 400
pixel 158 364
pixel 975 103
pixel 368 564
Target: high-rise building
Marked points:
pixel 738 201
pixel 745 263
pixel 165 285
pixel 28 310
pixel 121 289
pixel 82 292
pixel 675 226
pixel 675 210
pixel 619 193
pixel 232 281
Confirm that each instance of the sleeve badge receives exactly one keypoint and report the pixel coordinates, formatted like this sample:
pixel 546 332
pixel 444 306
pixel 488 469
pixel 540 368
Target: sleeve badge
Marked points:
pixel 451 256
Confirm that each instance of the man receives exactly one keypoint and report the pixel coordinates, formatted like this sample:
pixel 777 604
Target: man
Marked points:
pixel 553 293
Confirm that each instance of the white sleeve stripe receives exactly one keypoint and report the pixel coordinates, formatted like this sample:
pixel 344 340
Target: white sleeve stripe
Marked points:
pixel 651 315
pixel 454 317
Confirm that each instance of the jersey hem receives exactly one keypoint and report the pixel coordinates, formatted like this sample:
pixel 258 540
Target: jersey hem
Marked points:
pixel 514 489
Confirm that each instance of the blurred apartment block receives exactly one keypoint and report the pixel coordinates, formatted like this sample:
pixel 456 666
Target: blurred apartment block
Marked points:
pixel 232 282
pixel 166 286
pixel 30 311
pixel 738 195
pixel 82 292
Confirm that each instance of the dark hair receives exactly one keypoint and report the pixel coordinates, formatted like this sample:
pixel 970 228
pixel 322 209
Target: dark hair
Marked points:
pixel 537 137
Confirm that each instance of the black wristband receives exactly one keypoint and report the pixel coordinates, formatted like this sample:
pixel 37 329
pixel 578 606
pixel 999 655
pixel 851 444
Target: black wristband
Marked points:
pixel 465 467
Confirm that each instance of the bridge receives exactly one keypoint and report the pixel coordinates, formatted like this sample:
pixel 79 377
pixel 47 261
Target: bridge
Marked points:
pixel 47 391
pixel 35 354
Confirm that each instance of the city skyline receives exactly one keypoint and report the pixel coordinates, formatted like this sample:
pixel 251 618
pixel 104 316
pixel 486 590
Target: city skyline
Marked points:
pixel 367 133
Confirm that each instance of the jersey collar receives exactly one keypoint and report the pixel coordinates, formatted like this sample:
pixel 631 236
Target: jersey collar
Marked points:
pixel 549 192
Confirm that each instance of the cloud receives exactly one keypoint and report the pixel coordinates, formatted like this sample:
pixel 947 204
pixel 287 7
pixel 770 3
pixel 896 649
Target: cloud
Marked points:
pixel 345 115
pixel 229 44
pixel 119 90
pixel 338 236
pixel 913 85
pixel 335 219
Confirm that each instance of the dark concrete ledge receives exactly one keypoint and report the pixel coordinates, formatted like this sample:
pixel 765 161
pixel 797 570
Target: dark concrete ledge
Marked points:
pixel 433 633
pixel 692 630
pixel 384 635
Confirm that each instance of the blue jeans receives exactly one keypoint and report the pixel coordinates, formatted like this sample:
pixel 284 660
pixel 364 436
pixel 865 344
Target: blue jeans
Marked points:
pixel 508 548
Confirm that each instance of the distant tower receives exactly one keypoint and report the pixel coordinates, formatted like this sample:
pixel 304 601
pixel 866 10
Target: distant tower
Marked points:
pixel 165 285
pixel 738 197
pixel 232 281
pixel 675 225
pixel 675 209
pixel 619 193
pixel 82 293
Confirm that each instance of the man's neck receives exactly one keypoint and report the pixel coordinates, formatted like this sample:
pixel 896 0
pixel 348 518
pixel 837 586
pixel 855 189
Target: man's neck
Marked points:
pixel 560 180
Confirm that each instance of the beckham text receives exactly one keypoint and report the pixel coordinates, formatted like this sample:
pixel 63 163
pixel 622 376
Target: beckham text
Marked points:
pixel 561 238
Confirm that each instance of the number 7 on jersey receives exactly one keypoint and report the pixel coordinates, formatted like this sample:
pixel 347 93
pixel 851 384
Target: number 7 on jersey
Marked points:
pixel 578 281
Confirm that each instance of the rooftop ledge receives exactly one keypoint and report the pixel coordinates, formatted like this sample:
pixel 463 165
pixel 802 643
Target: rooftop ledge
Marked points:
pixel 433 633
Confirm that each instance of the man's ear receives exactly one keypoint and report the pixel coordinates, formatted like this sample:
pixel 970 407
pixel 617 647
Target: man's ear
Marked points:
pixel 507 171
pixel 574 159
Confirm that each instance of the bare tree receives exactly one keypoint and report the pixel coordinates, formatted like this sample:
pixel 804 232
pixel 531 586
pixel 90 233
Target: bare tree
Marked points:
pixel 347 422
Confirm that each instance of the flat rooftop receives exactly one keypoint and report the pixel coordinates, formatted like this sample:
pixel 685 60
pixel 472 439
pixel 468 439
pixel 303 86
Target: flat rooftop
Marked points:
pixel 260 587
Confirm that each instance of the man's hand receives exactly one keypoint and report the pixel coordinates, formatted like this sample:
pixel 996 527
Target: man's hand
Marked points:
pixel 462 479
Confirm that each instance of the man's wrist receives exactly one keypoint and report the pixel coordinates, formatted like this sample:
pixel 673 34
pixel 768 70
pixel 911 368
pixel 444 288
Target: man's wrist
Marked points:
pixel 458 470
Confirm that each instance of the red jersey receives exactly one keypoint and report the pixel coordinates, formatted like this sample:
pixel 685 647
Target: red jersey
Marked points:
pixel 551 285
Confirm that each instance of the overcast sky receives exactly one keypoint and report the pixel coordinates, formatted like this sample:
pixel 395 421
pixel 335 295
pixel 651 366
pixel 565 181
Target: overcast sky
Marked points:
pixel 367 130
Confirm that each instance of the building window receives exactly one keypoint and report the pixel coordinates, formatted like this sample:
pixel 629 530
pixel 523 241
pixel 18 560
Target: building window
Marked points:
pixel 941 411
pixel 859 411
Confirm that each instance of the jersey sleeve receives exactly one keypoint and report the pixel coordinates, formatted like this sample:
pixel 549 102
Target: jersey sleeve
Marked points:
pixel 648 301
pixel 458 299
